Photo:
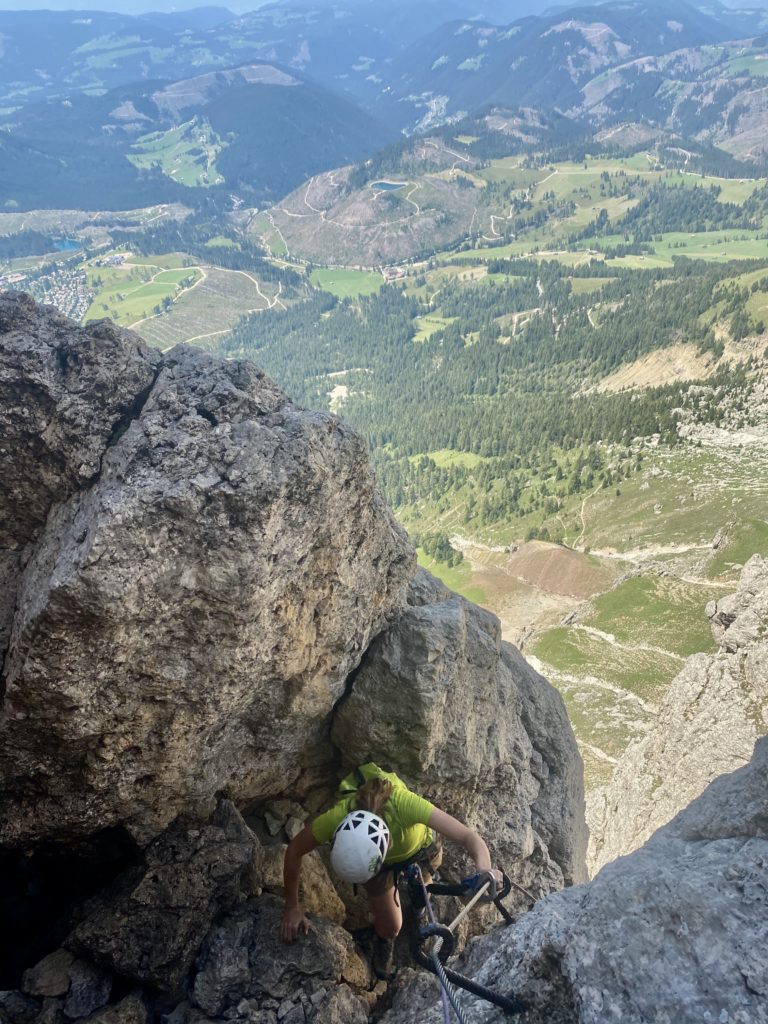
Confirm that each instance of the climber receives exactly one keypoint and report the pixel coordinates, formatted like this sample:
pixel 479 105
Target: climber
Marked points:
pixel 377 827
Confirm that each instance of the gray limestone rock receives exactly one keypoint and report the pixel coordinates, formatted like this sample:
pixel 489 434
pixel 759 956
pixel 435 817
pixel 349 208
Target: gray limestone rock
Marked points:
pixel 51 976
pixel 473 728
pixel 89 990
pixel 18 1008
pixel 342 1006
pixel 131 1010
pixel 151 928
pixel 674 933
pixel 188 613
pixel 708 722
pixel 243 958
pixel 52 1011
pixel 740 619
pixel 64 392
pixel 318 894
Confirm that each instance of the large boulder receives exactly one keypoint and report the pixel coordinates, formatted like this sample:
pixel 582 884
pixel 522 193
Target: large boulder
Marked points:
pixel 675 933
pixel 467 722
pixel 205 565
pixel 708 722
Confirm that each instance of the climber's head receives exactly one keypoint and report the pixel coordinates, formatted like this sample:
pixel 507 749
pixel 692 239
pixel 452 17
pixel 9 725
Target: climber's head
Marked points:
pixel 359 846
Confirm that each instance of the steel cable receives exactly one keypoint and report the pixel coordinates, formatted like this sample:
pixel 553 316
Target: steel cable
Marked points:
pixel 447 995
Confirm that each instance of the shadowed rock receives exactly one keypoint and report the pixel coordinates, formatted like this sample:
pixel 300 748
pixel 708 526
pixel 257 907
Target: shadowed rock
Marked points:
pixel 150 926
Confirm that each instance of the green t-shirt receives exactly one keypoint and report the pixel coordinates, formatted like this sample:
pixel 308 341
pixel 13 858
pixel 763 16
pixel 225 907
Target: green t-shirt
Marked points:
pixel 406 814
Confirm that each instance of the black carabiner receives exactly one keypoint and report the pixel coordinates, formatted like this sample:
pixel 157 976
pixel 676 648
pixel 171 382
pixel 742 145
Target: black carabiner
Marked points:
pixel 429 931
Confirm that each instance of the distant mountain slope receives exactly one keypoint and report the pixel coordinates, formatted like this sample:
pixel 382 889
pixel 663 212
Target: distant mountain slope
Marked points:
pixel 416 196
pixel 713 93
pixel 367 49
pixel 46 53
pixel 256 129
pixel 540 61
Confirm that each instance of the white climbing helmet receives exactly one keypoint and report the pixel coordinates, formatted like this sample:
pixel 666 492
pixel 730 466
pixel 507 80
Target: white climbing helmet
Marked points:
pixel 359 846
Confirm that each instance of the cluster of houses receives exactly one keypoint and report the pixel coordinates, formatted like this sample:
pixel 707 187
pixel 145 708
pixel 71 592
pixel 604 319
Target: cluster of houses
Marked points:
pixel 67 290
pixel 117 259
pixel 392 273
pixel 12 280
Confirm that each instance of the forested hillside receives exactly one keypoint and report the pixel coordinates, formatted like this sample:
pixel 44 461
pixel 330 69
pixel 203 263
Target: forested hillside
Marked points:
pixel 488 385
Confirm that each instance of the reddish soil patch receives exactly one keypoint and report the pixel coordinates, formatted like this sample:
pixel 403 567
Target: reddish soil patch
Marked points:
pixel 560 571
pixel 520 607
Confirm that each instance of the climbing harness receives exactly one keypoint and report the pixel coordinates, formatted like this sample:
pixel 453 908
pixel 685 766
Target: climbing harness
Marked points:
pixel 443 944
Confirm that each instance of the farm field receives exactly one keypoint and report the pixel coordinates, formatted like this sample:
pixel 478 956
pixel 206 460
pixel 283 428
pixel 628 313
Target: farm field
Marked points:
pixel 186 153
pixel 136 291
pixel 345 283
pixel 428 325
pixel 208 310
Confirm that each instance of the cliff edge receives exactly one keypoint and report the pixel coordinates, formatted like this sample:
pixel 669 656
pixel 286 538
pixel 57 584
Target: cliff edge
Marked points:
pixel 708 723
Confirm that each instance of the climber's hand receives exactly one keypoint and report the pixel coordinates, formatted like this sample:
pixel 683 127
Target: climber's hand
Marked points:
pixel 494 878
pixel 294 923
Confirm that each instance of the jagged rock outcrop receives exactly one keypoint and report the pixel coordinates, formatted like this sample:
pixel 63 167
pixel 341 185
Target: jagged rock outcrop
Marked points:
pixel 708 723
pixel 243 960
pixel 470 723
pixel 188 614
pixel 674 933
pixel 741 619
pixel 59 407
pixel 65 391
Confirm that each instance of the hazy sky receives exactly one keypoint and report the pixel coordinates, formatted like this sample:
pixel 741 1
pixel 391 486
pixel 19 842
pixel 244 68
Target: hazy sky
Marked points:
pixel 237 6
pixel 127 6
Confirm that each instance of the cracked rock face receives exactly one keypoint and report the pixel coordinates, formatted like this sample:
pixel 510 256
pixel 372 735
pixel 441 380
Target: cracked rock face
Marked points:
pixel 674 933
pixel 202 566
pixel 64 391
pixel 709 720
pixel 243 959
pixel 474 729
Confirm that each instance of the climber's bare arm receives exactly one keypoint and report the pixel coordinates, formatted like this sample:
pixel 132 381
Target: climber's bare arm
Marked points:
pixel 460 833
pixel 294 922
